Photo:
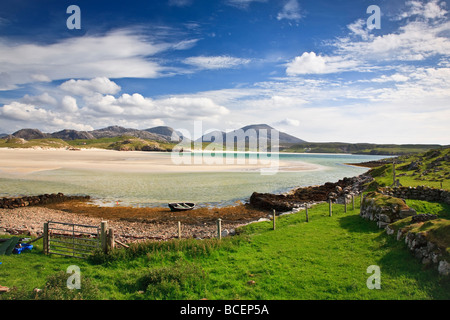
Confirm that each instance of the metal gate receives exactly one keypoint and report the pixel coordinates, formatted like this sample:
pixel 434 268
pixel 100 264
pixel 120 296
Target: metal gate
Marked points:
pixel 70 239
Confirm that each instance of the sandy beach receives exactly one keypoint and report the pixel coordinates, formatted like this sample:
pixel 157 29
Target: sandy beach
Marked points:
pixel 24 161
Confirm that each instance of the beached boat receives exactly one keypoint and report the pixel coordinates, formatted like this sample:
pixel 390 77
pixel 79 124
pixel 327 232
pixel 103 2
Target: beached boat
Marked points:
pixel 181 206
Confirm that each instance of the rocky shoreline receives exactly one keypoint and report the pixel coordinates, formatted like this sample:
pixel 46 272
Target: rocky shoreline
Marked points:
pixel 12 203
pixel 30 221
pixel 338 192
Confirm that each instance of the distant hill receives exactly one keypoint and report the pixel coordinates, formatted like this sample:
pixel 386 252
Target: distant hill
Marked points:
pixel 108 132
pixel 29 134
pixel 67 134
pixel 252 131
pixel 115 131
pixel 167 132
pixel 162 135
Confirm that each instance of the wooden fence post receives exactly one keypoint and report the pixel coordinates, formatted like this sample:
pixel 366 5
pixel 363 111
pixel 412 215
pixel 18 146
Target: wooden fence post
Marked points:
pixel 353 202
pixel 111 239
pixel 103 234
pixel 274 218
pixel 219 228
pixel 330 209
pixel 179 229
pixel 345 204
pixel 45 240
pixel 307 218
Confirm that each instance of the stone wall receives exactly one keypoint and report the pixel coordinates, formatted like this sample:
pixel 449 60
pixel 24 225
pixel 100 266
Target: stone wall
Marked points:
pixel 424 250
pixel 418 193
pixel 384 209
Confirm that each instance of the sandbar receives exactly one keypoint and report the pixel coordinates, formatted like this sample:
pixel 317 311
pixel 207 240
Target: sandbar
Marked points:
pixel 26 161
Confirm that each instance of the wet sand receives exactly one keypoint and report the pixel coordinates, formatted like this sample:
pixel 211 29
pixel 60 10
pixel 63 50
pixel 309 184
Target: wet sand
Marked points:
pixel 24 161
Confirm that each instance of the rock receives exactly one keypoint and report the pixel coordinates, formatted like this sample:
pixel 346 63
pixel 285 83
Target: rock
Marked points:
pixel 423 217
pixel 382 225
pixel 384 218
pixel 444 268
pixel 407 213
pixel 389 230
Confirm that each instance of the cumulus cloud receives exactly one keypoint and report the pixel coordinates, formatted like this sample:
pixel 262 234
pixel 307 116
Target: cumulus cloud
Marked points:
pixel 69 104
pixel 23 112
pixel 43 99
pixel 88 87
pixel 310 63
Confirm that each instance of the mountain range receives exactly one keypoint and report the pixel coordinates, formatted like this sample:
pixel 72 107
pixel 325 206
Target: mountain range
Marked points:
pixel 160 133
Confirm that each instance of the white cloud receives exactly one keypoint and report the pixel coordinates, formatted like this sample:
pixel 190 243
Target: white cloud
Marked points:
pixel 23 112
pixel 117 54
pixel 88 87
pixel 358 28
pixel 42 100
pixel 215 62
pixel 290 11
pixel 310 63
pixel 40 78
pixel 429 9
pixel 69 104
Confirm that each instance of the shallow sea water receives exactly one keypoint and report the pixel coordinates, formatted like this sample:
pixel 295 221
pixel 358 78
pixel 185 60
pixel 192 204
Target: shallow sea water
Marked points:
pixel 203 188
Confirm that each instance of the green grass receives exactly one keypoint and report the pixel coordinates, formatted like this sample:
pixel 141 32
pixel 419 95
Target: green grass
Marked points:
pixel 44 143
pixel 326 258
pixel 431 171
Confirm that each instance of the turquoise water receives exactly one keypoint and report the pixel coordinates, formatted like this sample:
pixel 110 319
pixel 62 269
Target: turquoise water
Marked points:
pixel 205 188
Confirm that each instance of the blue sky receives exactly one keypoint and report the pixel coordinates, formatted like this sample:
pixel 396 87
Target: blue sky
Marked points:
pixel 314 69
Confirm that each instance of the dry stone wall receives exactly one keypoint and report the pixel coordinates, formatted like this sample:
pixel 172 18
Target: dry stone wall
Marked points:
pixel 418 193
pixel 387 207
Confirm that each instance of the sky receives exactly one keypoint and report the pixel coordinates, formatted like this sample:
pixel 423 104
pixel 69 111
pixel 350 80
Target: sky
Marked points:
pixel 322 70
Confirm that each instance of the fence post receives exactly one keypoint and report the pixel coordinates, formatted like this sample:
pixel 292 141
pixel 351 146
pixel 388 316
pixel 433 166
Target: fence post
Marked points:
pixel 330 209
pixel 104 226
pixel 45 238
pixel 219 228
pixel 274 218
pixel 353 202
pixel 345 204
pixel 179 229
pixel 307 218
pixel 111 238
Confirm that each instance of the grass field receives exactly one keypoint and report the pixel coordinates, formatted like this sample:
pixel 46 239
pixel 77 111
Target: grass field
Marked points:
pixel 325 258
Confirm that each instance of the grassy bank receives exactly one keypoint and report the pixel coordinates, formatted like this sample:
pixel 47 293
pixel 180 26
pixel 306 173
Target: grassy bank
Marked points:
pixel 326 258
pixel 431 168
